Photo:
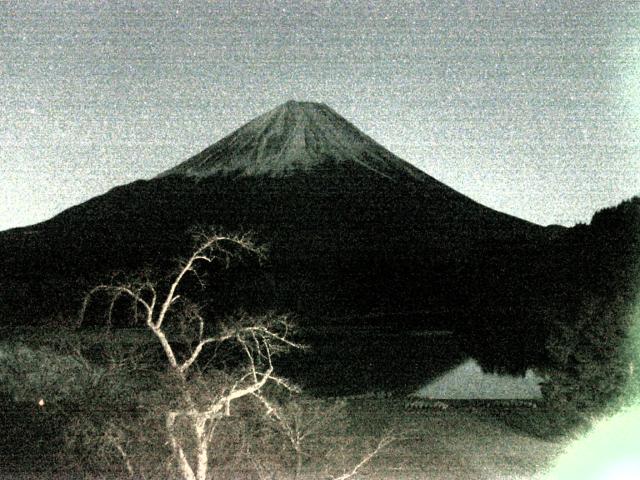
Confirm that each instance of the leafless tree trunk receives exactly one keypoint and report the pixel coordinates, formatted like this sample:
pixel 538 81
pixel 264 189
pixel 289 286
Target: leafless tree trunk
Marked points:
pixel 258 337
pixel 190 422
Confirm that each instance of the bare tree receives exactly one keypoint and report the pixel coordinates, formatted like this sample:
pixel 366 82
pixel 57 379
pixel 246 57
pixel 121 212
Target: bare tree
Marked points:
pixel 384 442
pixel 199 391
pixel 190 421
pixel 304 421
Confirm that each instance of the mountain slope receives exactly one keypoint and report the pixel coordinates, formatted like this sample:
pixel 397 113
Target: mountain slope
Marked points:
pixel 293 137
pixel 335 207
pixel 357 237
pixel 307 138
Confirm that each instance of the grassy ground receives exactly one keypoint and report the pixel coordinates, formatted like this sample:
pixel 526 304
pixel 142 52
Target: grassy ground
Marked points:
pixel 464 441
pixel 457 443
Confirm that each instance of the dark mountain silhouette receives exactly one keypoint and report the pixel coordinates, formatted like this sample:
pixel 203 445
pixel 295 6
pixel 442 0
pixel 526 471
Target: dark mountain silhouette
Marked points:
pixel 358 238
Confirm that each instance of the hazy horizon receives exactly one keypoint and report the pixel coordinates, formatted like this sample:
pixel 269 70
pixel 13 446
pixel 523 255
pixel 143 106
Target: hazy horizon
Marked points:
pixel 530 108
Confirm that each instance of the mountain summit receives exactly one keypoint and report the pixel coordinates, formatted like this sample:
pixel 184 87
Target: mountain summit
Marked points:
pixel 294 137
pixel 357 238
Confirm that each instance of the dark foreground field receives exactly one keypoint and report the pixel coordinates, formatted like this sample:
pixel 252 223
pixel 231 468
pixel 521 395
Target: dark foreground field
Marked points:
pixel 459 442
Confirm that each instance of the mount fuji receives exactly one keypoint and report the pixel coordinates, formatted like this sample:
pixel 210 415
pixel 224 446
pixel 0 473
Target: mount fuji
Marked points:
pixel 356 236
pixel 294 137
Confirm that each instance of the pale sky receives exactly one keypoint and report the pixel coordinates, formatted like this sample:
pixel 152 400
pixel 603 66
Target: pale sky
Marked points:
pixel 529 107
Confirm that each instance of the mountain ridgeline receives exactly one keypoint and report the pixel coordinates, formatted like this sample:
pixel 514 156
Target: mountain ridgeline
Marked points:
pixel 357 238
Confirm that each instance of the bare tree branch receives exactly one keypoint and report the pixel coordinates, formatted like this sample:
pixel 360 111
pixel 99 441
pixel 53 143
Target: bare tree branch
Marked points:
pixel 259 337
pixel 383 443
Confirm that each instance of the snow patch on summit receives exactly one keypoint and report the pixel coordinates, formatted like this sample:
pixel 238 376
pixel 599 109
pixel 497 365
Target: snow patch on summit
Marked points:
pixel 295 136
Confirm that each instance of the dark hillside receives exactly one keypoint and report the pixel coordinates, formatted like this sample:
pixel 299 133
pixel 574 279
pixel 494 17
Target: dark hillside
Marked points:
pixel 357 238
pixel 344 243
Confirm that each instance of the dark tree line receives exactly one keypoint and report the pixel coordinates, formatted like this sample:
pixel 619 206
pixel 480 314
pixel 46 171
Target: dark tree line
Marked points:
pixel 589 345
pixel 354 249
